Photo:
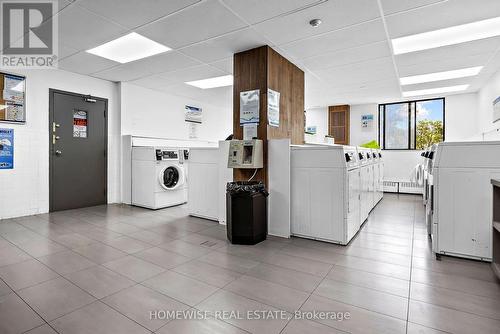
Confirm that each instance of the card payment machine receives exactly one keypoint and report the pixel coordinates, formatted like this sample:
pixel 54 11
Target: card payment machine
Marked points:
pixel 245 154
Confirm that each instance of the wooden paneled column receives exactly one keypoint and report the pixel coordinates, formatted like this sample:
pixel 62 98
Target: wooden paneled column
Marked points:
pixel 262 68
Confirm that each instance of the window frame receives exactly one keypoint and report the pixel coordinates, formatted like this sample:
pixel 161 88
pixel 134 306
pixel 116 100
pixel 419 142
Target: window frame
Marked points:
pixel 381 108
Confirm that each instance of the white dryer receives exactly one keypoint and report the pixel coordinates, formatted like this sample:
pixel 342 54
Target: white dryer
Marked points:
pixel 158 177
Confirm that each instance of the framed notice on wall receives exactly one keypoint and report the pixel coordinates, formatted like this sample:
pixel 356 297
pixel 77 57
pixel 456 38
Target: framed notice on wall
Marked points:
pixel 12 98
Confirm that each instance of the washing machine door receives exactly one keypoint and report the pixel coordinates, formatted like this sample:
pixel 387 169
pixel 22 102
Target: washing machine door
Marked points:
pixel 171 177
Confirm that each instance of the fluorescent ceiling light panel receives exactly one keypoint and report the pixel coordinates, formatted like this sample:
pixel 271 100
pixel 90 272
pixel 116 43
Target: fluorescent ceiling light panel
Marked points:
pixel 225 80
pixel 439 90
pixel 447 36
pixel 438 76
pixel 129 48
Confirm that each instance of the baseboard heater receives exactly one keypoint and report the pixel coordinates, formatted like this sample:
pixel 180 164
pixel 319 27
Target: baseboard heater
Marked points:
pixel 403 187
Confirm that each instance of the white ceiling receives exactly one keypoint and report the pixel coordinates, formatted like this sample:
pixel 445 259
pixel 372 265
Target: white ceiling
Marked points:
pixel 347 59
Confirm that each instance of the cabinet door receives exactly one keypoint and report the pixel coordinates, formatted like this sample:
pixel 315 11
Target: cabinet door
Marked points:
pixel 338 124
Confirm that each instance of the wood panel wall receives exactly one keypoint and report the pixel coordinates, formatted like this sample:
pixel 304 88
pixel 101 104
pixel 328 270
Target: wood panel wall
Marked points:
pixel 263 68
pixel 338 124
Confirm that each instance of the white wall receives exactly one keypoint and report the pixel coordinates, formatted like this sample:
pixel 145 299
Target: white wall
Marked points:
pixel 358 134
pixel 486 96
pixel 317 117
pixel 150 113
pixel 25 189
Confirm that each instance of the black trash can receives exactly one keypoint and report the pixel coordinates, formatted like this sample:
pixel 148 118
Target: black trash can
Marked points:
pixel 246 208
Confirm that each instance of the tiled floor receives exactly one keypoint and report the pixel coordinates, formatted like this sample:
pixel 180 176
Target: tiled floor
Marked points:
pixel 103 269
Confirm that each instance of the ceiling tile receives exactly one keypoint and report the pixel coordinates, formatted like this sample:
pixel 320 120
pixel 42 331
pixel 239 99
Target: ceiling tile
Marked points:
pixel 437 84
pixel 82 30
pixel 441 15
pixel 191 74
pixel 168 61
pixel 85 63
pixel 335 14
pixel 355 36
pixel 396 6
pixel 133 13
pixel 225 46
pixel 152 82
pixel 359 74
pixel 225 64
pixel 65 51
pixel 348 56
pixel 205 20
pixel 441 65
pixel 254 11
pixel 451 52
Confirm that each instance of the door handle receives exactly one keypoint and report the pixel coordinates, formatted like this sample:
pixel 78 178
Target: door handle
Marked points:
pixel 58 152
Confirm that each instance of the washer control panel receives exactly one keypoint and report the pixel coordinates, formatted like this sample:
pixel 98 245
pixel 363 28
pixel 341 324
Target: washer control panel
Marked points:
pixel 167 155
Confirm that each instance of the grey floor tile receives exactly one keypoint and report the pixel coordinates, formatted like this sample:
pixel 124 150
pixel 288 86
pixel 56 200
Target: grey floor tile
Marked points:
pixel 313 254
pixel 307 326
pixel 100 253
pixel 10 254
pixel 360 320
pixel 449 320
pixel 207 273
pixel 97 318
pixel 182 288
pixel 483 306
pixel 287 277
pixel 25 274
pixel 234 263
pixel 308 266
pixel 55 298
pixel 381 256
pixel 458 267
pixel 376 267
pixel 138 302
pixel 208 326
pixel 37 248
pixel 16 316
pixel 365 279
pixel 204 240
pixel 136 269
pixel 121 228
pixel 162 258
pixel 150 237
pixel 369 299
pixel 66 262
pixel 72 240
pixel 246 251
pixel 4 289
pixel 419 329
pixel 44 329
pixel 99 281
pixel 279 296
pixel 459 283
pixel 227 301
pixel 127 244
pixel 185 248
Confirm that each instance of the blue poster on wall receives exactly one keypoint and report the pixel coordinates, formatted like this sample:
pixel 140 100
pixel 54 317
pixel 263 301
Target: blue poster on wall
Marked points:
pixel 6 148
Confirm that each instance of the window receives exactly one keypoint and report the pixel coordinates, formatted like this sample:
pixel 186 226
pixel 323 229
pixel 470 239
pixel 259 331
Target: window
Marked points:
pixel 411 125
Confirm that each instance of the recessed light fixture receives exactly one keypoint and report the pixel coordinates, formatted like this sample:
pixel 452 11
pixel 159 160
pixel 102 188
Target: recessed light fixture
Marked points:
pixel 129 48
pixel 315 22
pixel 223 81
pixel 439 90
pixel 447 36
pixel 438 76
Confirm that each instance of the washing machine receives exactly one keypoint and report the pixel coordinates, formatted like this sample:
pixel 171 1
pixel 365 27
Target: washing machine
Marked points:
pixel 158 177
pixel 429 186
pixel 324 187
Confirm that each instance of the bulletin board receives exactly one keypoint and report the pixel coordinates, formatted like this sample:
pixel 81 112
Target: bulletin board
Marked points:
pixel 12 98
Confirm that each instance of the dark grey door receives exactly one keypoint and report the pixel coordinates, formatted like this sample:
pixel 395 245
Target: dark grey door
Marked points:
pixel 78 145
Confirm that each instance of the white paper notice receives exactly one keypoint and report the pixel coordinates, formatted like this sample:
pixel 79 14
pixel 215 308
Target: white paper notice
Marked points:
pixel 249 106
pixel 273 108
pixel 193 130
pixel 250 131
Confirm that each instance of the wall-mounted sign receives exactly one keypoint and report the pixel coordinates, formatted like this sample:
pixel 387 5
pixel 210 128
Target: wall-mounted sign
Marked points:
pixel 250 131
pixel 249 106
pixel 6 148
pixel 193 114
pixel 193 130
pixel 12 106
pixel 273 108
pixel 367 121
pixel 80 124
pixel 311 130
pixel 496 110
